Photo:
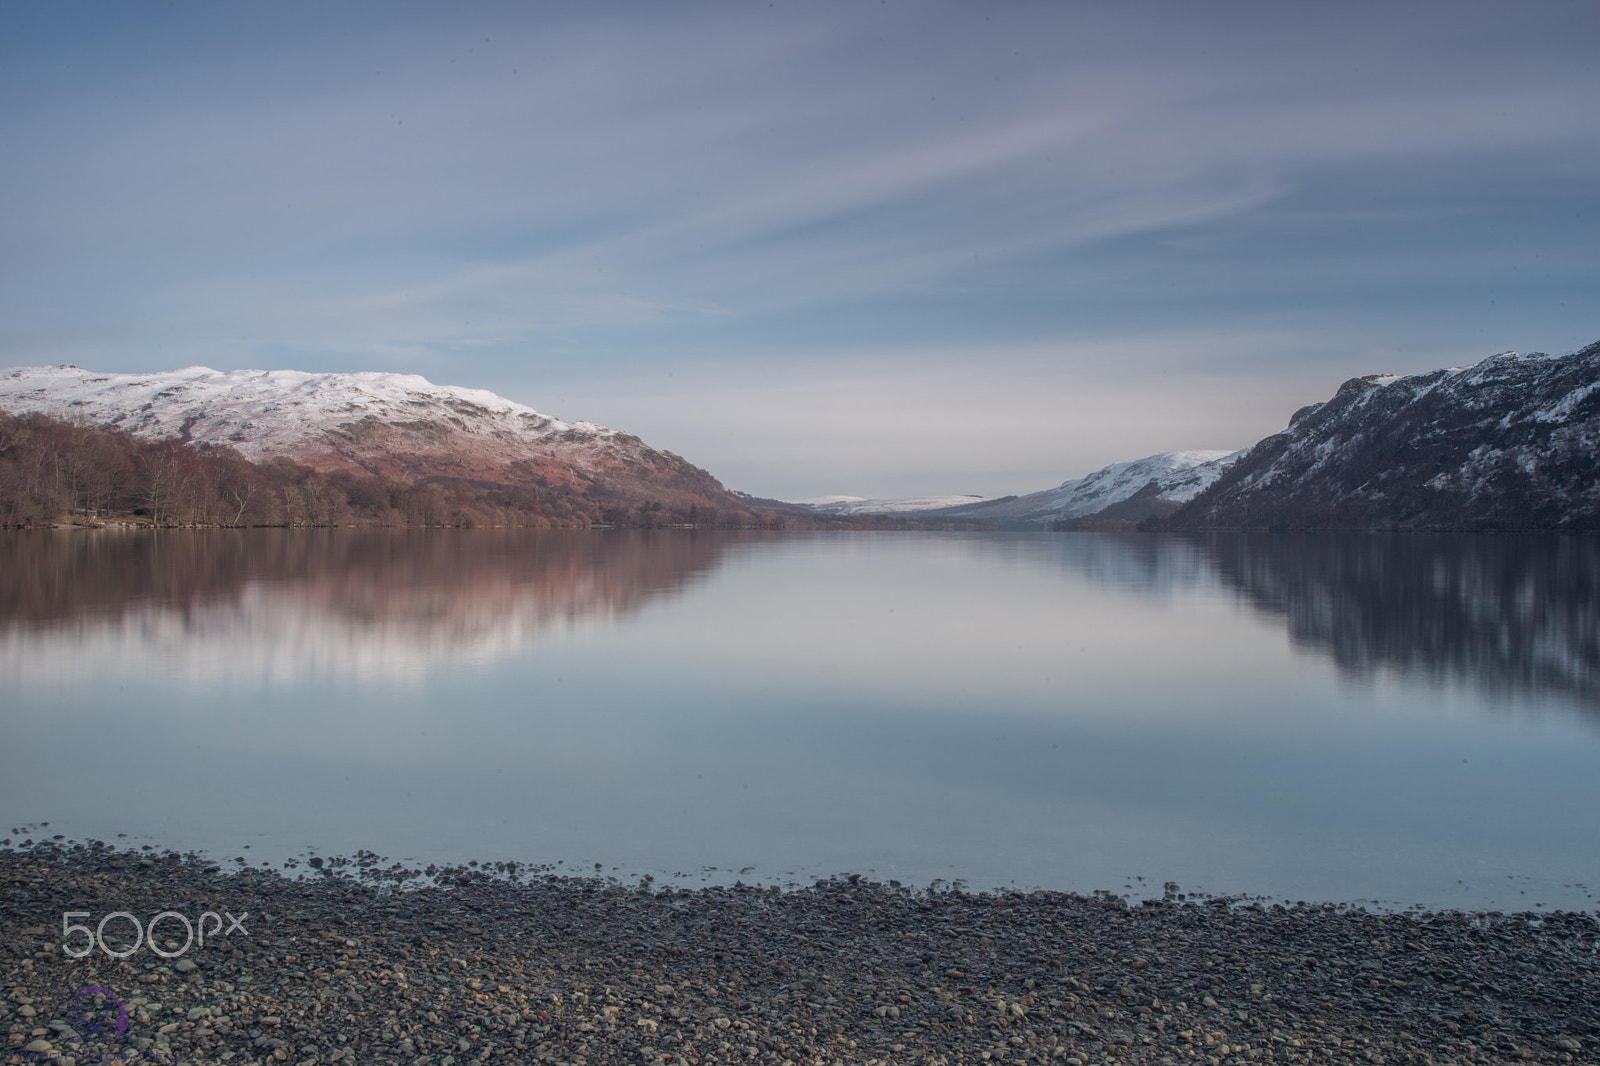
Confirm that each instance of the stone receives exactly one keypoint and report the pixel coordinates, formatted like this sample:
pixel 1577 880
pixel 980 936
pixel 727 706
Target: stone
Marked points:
pixel 598 972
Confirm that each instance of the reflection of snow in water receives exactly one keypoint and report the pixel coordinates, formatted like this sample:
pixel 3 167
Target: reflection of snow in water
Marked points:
pixel 278 632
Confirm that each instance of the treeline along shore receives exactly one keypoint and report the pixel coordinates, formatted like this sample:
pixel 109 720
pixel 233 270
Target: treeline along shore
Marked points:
pixel 54 472
pixel 508 964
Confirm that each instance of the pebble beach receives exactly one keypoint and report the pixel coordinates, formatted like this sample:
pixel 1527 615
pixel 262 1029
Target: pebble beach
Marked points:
pixel 350 964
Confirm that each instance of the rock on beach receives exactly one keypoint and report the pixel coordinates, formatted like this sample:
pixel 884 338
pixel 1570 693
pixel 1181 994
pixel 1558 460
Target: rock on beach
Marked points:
pixel 564 970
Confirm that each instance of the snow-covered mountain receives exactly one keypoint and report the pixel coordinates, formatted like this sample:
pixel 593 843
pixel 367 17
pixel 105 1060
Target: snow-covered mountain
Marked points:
pixel 1511 442
pixel 861 505
pixel 395 425
pixel 1156 484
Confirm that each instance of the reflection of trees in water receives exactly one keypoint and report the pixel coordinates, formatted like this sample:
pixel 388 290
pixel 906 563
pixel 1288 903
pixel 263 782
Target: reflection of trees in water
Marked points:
pixel 1512 615
pixel 432 580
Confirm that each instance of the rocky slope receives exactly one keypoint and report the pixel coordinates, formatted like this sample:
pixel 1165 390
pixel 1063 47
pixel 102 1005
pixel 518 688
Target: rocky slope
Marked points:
pixel 1509 443
pixel 1154 485
pixel 399 426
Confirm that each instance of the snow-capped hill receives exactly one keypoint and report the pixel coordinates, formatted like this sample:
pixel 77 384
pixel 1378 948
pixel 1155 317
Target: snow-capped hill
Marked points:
pixel 396 425
pixel 1511 442
pixel 1155 484
pixel 858 505
pixel 824 501
pixel 269 412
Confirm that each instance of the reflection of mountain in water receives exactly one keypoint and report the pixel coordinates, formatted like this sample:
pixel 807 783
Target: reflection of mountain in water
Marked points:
pixel 1512 615
pixel 287 604
pixel 1157 567
pixel 1507 615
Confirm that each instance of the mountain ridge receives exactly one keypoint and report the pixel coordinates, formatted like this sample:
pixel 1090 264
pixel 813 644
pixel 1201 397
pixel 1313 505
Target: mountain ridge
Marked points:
pixel 1507 443
pixel 1132 489
pixel 1129 490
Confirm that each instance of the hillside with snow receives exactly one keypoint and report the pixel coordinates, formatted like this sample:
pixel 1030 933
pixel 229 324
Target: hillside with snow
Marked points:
pixel 1154 485
pixel 399 426
pixel 1509 443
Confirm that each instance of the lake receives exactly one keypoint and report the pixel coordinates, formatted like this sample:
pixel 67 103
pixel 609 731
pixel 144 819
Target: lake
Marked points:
pixel 1406 720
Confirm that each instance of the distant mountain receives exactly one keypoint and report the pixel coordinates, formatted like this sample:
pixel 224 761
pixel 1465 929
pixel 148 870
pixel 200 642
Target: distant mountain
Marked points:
pixel 398 426
pixel 1509 443
pixel 1127 491
pixel 1121 492
pixel 860 505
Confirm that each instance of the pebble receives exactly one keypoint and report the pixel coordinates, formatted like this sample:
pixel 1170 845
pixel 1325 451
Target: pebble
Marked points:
pixel 553 970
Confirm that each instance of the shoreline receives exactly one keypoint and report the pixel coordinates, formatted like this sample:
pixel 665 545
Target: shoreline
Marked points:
pixel 568 969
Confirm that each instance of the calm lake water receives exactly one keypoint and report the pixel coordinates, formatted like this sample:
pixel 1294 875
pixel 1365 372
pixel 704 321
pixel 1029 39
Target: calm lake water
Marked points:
pixel 1401 719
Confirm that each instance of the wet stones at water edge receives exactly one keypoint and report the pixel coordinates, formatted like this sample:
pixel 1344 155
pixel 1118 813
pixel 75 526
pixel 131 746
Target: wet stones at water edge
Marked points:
pixel 577 970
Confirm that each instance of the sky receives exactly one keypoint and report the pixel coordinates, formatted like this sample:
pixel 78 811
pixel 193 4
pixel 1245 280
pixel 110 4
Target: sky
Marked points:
pixel 872 248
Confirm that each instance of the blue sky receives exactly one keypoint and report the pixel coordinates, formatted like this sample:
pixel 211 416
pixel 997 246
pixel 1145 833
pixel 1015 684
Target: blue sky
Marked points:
pixel 870 248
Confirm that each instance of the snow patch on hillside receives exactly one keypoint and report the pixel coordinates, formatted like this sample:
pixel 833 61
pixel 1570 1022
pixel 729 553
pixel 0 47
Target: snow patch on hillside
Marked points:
pixel 265 412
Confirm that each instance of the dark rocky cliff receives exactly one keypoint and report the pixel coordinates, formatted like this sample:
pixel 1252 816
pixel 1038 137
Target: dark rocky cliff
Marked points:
pixel 1510 443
